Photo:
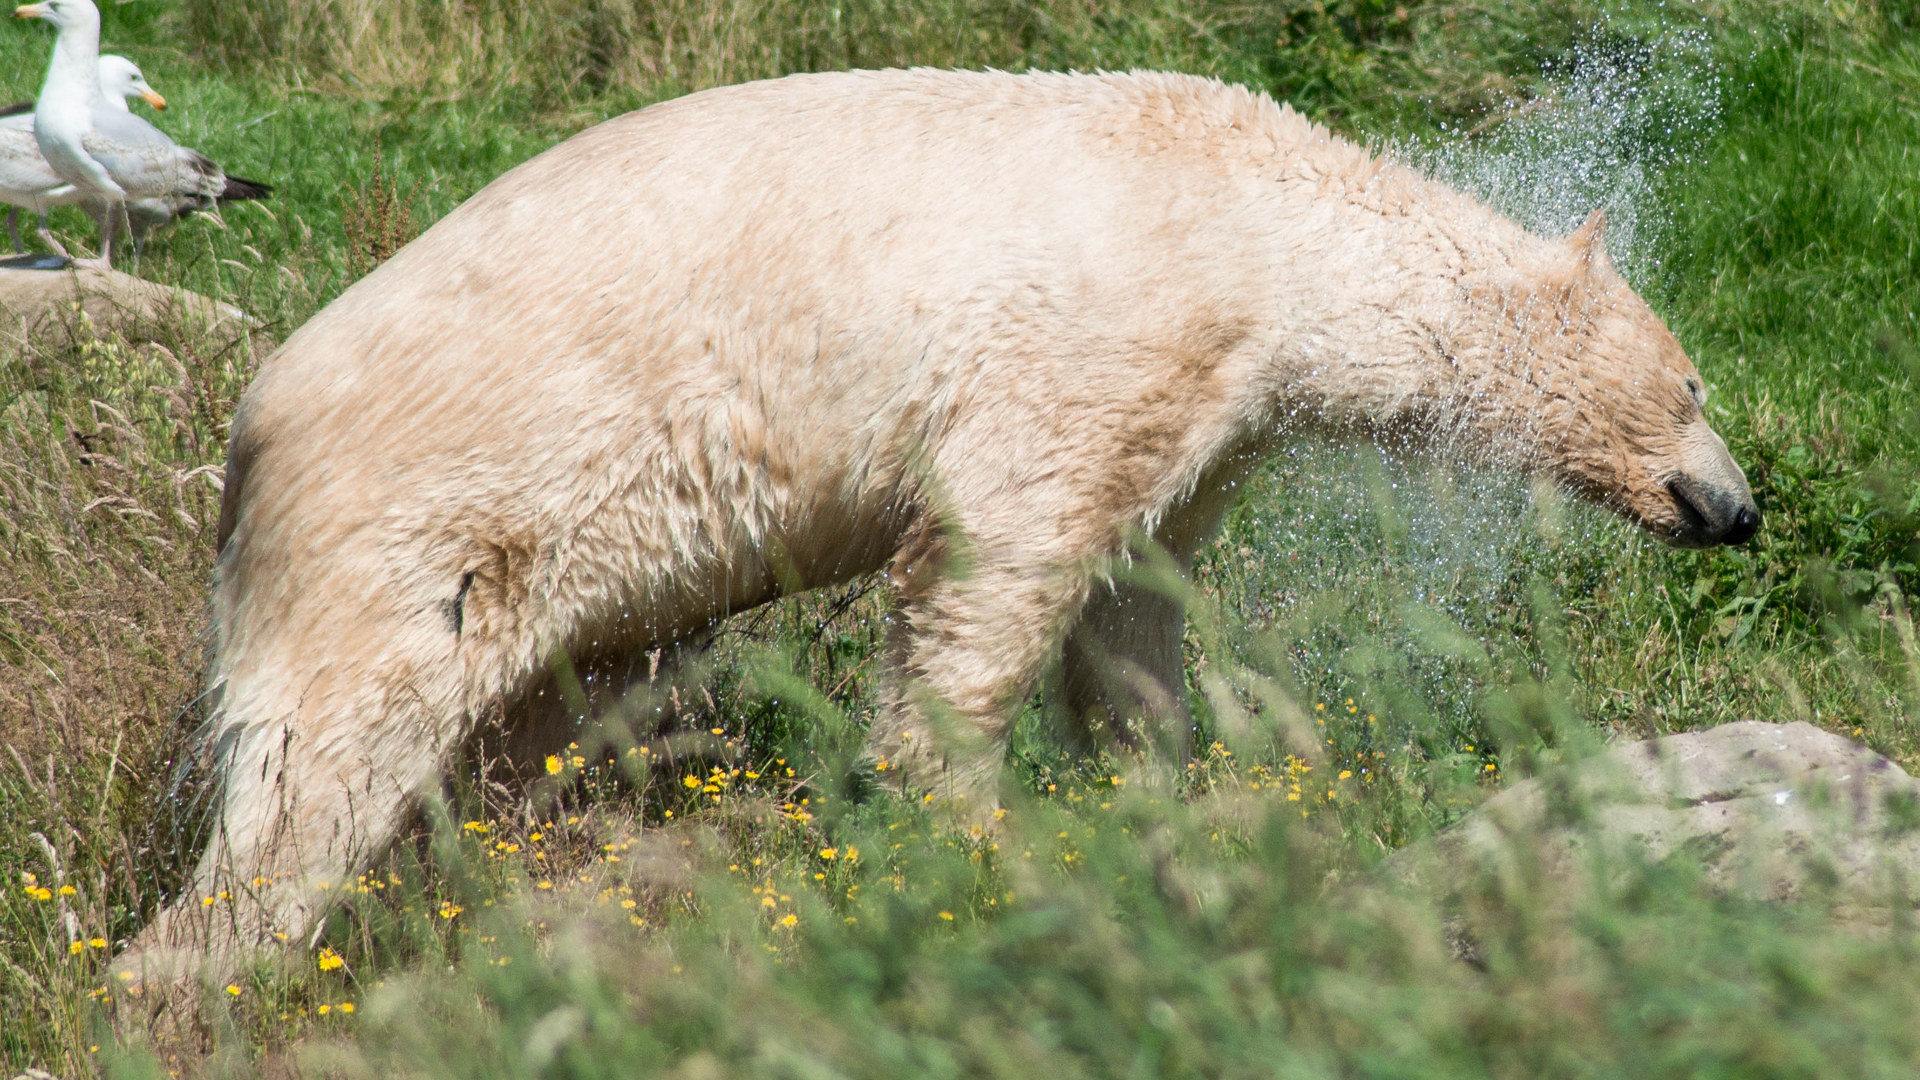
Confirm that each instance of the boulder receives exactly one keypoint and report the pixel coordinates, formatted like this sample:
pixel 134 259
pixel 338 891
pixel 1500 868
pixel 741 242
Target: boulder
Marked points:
pixel 1771 812
pixel 42 288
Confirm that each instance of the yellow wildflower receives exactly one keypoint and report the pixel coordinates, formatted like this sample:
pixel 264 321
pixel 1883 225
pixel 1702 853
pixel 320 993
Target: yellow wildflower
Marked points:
pixel 553 764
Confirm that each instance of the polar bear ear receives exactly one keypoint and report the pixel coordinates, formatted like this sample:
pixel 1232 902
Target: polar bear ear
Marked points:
pixel 1589 241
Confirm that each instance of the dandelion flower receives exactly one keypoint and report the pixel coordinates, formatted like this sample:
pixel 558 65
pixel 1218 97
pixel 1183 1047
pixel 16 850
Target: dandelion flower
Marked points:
pixel 77 947
pixel 346 1006
pixel 790 921
pixel 98 943
pixel 553 764
pixel 232 990
pixel 947 915
pixel 325 1009
pixel 329 960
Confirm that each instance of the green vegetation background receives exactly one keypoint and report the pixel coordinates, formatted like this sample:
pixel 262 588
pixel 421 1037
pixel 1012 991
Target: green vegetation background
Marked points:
pixel 1134 917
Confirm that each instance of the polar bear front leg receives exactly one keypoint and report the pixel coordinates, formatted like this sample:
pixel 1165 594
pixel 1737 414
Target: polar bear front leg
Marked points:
pixel 1124 672
pixel 963 655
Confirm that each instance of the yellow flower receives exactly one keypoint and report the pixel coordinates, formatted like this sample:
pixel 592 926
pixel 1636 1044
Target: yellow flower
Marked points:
pixel 829 853
pixel 790 921
pixel 325 1009
pixel 947 915
pixel 330 960
pixel 629 903
pixel 449 910
pixel 67 890
pixel 691 782
pixel 553 764
pixel 98 943
pixel 77 947
pixel 1346 773
pixel 346 1006
pixel 578 761
pixel 39 893
pixel 233 990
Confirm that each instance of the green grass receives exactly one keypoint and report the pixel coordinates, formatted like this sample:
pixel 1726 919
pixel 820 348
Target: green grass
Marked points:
pixel 1424 631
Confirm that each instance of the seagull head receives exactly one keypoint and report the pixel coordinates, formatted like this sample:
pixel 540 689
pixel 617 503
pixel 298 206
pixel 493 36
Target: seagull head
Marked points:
pixel 120 78
pixel 61 13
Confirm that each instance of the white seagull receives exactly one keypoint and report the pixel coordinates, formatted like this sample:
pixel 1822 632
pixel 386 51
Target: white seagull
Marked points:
pixel 109 155
pixel 27 182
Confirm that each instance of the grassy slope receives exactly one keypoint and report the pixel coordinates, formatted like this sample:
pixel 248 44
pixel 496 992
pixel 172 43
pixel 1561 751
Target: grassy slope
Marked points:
pixel 1788 274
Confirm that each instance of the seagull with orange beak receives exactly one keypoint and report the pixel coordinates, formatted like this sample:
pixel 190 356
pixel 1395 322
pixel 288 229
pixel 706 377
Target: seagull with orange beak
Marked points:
pixel 110 156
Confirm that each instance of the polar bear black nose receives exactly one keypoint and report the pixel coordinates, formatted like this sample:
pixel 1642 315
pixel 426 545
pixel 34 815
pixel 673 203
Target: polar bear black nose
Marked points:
pixel 1711 514
pixel 1745 524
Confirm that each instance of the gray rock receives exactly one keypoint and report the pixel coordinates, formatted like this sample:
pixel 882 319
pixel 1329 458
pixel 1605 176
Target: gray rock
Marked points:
pixel 109 298
pixel 1764 811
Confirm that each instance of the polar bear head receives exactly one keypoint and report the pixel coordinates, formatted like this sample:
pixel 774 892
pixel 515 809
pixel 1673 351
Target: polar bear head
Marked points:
pixel 1619 414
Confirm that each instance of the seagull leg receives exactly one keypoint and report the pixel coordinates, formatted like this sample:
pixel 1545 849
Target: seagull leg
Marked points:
pixel 109 223
pixel 47 235
pixel 13 229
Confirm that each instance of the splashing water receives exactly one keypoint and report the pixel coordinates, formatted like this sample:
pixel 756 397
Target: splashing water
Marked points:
pixel 1376 530
pixel 1616 115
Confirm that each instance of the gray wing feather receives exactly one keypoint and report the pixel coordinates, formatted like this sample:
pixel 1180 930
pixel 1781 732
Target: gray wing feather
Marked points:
pixel 147 164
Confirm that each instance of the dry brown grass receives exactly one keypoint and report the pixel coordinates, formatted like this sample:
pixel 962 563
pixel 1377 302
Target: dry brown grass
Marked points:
pixel 377 218
pixel 574 48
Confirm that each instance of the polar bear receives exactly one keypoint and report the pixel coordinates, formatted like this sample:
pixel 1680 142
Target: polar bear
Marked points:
pixel 981 331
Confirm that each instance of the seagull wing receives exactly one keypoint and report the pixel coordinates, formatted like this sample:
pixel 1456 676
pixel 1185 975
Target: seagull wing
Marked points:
pixel 147 164
pixel 25 177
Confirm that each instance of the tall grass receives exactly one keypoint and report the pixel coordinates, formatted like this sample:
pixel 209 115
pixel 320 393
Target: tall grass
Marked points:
pixel 1381 59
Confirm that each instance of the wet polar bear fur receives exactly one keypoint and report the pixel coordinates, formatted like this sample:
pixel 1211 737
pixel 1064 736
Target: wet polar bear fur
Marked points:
pixel 782 334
